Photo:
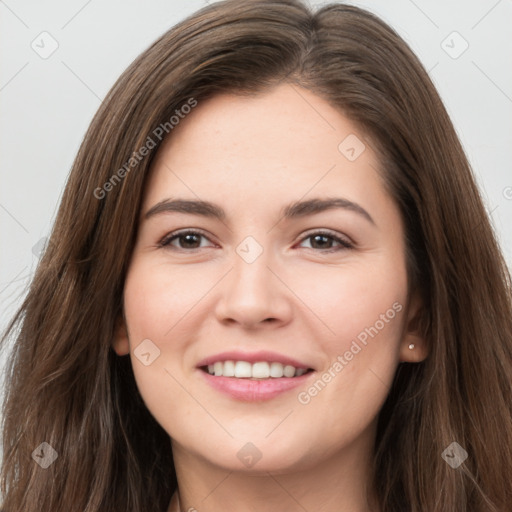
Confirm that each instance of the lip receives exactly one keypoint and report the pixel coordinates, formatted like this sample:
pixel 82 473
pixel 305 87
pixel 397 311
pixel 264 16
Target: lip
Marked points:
pixel 254 357
pixel 254 390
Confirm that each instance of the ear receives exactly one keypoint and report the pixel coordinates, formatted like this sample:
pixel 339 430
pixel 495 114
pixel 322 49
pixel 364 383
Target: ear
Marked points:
pixel 412 335
pixel 120 343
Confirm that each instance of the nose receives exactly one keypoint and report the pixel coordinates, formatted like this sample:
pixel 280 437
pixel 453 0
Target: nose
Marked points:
pixel 254 294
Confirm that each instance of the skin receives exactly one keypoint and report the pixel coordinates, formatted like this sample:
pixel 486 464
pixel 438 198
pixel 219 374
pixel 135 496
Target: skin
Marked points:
pixel 253 156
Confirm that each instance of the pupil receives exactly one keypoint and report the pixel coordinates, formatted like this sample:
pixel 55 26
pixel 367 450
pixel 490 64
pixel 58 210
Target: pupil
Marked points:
pixel 189 239
pixel 316 237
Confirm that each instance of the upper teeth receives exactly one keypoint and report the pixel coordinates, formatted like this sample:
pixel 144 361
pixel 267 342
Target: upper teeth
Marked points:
pixel 260 370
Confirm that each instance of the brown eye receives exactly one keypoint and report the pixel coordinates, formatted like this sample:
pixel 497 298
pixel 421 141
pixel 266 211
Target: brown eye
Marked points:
pixel 183 240
pixel 324 241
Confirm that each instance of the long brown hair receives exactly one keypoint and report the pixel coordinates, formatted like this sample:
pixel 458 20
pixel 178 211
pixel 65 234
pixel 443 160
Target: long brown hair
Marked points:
pixel 66 386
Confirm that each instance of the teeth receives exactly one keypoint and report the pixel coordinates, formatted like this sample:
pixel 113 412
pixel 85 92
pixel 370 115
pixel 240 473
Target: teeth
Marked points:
pixel 289 371
pixel 229 369
pixel 259 370
pixel 218 368
pixel 276 370
pixel 242 369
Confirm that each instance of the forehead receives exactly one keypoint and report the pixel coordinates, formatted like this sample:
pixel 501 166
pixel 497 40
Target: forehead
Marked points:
pixel 279 145
pixel 286 121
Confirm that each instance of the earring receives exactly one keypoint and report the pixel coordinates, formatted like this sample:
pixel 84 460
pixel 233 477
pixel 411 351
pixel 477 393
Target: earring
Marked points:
pixel 411 346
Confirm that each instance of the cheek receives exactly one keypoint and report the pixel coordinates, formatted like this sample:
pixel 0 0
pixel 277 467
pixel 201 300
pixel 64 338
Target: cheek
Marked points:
pixel 357 301
pixel 362 312
pixel 157 303
pixel 157 299
pixel 363 307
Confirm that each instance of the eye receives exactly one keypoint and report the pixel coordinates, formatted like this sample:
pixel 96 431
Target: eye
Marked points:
pixel 324 240
pixel 191 240
pixel 186 239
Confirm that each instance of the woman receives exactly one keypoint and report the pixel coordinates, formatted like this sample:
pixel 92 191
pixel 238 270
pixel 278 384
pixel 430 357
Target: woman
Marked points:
pixel 337 337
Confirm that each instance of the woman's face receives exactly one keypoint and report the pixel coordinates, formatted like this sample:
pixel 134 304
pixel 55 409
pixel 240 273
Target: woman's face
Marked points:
pixel 267 280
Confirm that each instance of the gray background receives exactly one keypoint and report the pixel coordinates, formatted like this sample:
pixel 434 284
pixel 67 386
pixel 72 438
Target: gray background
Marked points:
pixel 47 103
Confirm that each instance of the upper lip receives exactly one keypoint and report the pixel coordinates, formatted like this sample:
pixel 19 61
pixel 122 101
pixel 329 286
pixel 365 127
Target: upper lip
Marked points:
pixel 252 357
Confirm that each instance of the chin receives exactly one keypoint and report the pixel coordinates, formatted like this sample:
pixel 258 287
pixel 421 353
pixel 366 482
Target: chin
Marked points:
pixel 259 457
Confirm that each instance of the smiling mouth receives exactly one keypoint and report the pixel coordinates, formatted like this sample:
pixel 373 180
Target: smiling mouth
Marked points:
pixel 253 371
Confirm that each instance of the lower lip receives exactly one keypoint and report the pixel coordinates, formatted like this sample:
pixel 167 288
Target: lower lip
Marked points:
pixel 254 390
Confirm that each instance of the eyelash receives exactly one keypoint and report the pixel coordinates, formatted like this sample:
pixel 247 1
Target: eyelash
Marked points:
pixel 345 244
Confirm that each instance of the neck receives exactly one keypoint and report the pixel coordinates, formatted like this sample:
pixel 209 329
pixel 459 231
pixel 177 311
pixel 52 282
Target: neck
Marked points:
pixel 338 483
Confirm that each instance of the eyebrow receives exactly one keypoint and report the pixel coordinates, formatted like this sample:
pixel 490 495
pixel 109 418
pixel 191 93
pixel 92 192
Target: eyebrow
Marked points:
pixel 294 210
